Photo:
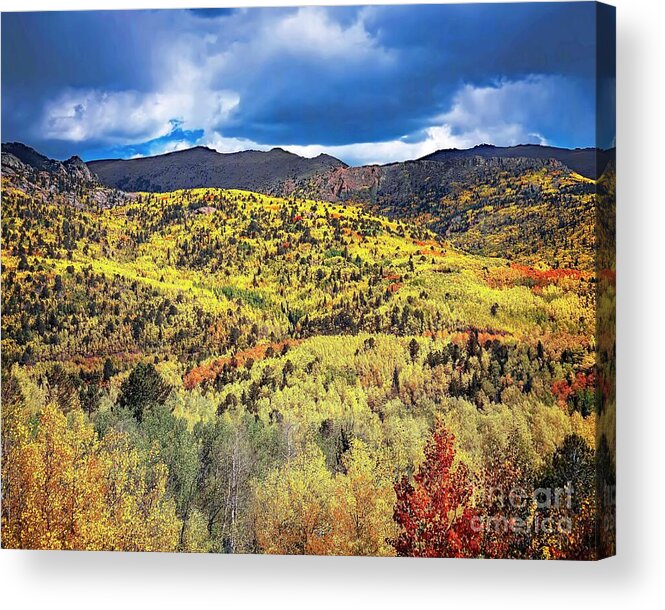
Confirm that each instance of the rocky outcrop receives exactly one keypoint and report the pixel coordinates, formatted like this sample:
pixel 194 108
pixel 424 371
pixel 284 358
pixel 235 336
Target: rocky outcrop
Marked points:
pixel 36 175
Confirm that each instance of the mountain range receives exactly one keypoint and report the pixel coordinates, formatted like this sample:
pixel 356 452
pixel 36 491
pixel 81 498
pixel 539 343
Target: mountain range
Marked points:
pixel 520 201
pixel 396 189
pixel 250 170
pixel 279 172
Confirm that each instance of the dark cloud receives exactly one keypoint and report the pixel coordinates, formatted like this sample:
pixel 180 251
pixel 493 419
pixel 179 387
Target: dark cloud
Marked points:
pixel 211 13
pixel 481 40
pixel 318 76
pixel 436 49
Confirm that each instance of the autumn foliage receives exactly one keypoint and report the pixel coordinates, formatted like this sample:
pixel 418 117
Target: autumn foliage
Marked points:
pixel 214 370
pixel 67 490
pixel 303 509
pixel 433 512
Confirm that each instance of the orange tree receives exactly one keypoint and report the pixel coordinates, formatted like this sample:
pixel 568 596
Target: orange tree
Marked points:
pixel 434 513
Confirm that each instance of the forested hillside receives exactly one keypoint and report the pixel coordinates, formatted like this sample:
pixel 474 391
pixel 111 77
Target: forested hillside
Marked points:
pixel 534 210
pixel 228 371
pixel 530 202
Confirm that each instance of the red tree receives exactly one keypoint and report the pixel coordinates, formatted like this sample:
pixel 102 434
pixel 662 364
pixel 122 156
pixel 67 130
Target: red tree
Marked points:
pixel 433 512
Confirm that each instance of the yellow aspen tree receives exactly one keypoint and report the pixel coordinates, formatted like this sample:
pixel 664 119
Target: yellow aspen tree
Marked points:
pixel 64 489
pixel 292 506
pixel 363 506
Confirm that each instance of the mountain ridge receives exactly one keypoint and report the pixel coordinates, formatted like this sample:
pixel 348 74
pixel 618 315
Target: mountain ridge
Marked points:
pixel 479 203
pixel 35 173
pixel 497 206
pixel 277 170
pixel 588 162
pixel 202 167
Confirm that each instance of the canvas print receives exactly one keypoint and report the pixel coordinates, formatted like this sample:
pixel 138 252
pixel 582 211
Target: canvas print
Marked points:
pixel 310 280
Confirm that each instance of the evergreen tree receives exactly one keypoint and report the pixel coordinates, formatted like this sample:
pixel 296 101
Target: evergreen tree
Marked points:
pixel 109 370
pixel 142 389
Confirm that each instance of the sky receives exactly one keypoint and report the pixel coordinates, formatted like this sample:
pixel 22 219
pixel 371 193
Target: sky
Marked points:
pixel 367 84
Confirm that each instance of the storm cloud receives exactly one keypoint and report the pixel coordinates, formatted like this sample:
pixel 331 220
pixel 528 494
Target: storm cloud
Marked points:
pixel 367 84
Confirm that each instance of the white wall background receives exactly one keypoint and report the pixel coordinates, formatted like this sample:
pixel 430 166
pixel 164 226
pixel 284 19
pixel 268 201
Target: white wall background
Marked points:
pixel 633 579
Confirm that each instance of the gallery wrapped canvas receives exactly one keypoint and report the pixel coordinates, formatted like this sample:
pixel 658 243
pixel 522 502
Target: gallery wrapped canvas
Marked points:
pixel 311 280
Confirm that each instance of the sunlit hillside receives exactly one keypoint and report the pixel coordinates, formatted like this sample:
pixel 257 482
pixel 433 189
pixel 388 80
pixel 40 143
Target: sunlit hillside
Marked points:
pixel 219 370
